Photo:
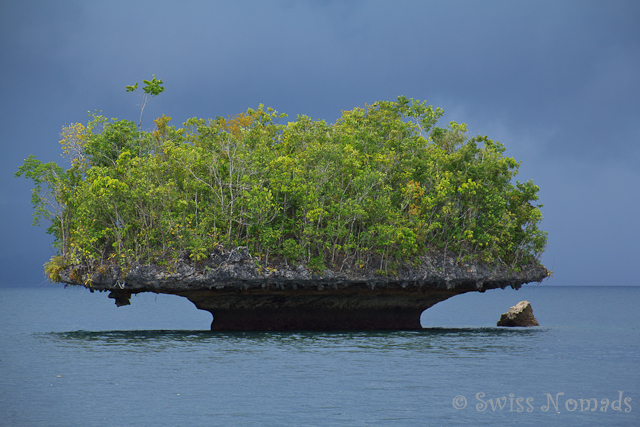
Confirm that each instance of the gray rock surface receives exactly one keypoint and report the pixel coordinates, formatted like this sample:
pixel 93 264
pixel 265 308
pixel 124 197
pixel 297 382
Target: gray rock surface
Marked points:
pixel 244 293
pixel 520 314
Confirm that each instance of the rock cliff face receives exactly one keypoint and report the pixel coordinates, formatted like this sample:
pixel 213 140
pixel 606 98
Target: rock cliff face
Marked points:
pixel 244 294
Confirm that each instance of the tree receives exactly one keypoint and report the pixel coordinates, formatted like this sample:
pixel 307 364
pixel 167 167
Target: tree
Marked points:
pixel 380 187
pixel 151 89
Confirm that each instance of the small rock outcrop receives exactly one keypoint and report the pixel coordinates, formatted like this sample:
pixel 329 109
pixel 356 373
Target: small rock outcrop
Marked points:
pixel 520 314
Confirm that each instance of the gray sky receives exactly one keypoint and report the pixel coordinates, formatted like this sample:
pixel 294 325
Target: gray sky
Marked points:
pixel 557 82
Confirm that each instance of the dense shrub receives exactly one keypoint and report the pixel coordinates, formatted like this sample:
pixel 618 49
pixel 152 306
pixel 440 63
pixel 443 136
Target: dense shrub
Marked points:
pixel 383 183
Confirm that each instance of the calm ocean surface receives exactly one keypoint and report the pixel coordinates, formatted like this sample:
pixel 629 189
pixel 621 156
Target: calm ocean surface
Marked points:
pixel 69 357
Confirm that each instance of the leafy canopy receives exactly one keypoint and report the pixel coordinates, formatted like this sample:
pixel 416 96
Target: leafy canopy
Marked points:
pixel 383 185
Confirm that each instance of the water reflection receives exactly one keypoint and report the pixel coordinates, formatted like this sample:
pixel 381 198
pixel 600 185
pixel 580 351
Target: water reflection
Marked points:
pixel 454 342
pixel 198 335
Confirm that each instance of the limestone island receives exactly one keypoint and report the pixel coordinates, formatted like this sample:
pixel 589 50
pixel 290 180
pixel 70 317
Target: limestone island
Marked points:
pixel 358 225
pixel 243 295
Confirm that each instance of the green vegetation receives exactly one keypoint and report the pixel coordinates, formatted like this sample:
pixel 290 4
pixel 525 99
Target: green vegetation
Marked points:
pixel 383 184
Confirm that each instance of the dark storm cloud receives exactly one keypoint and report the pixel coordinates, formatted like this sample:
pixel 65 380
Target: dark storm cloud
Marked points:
pixel 555 81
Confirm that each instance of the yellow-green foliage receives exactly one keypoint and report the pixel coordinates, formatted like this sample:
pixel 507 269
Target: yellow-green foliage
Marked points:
pixel 382 183
pixel 53 267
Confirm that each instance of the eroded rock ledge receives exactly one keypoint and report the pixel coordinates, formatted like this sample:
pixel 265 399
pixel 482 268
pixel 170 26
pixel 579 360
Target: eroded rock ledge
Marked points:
pixel 244 294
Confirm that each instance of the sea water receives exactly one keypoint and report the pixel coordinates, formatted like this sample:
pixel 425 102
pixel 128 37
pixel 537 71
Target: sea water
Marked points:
pixel 69 357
